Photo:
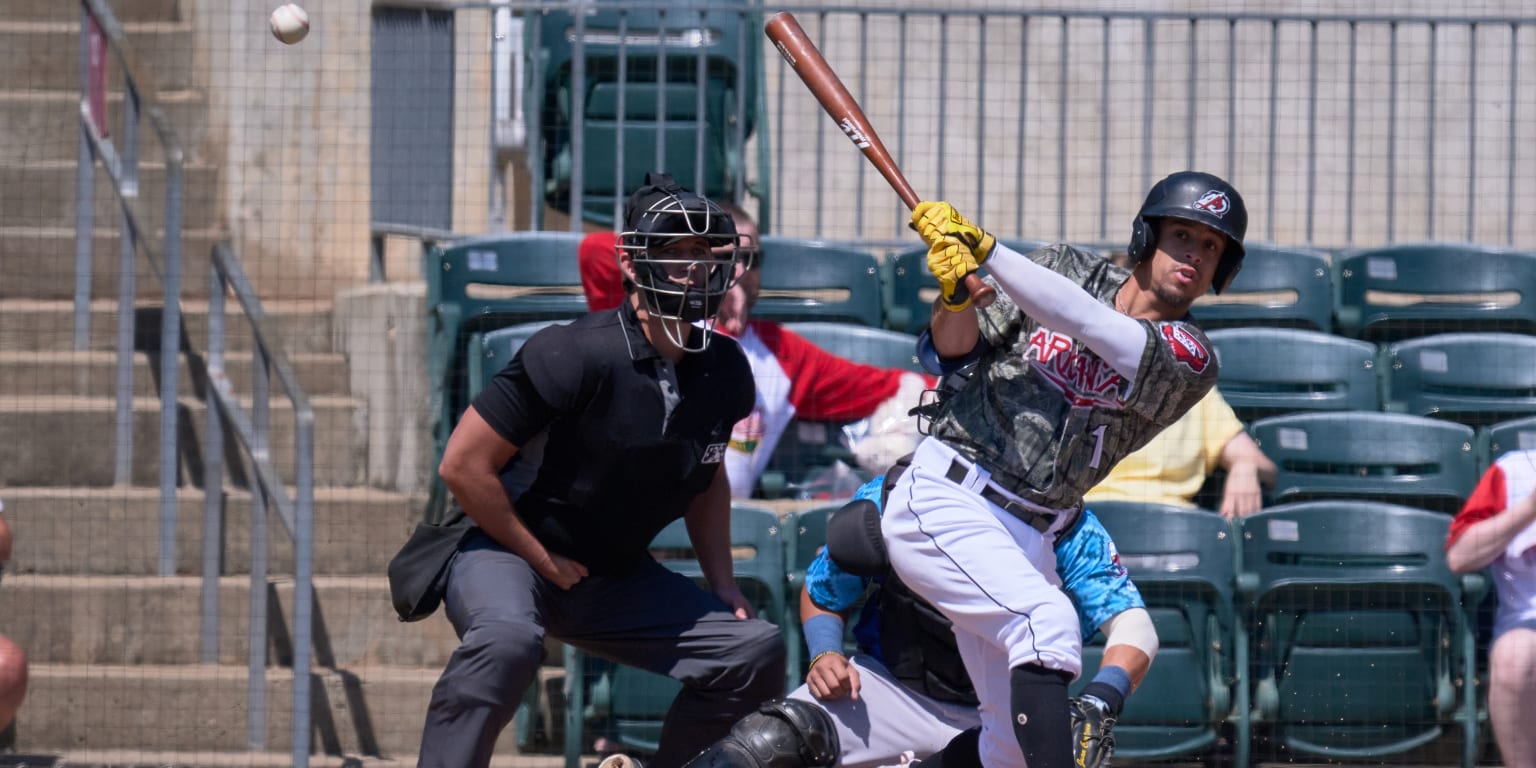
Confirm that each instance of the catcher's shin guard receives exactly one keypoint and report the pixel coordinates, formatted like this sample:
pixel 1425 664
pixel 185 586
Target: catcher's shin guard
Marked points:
pixel 782 733
pixel 1093 740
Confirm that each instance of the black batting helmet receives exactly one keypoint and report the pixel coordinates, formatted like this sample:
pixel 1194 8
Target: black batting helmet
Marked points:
pixel 1201 198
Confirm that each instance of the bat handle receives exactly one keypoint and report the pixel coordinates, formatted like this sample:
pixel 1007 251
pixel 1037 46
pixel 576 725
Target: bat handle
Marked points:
pixel 980 293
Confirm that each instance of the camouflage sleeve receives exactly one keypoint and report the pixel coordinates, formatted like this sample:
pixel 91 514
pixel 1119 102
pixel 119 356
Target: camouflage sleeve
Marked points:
pixel 1177 370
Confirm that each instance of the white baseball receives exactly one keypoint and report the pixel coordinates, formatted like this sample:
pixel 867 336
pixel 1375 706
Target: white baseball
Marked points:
pixel 290 23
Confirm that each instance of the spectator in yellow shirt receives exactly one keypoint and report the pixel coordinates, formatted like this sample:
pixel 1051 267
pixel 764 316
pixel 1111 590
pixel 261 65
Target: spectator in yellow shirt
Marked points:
pixel 1174 466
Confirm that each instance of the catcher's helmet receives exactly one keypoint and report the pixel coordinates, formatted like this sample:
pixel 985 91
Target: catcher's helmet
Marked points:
pixel 660 213
pixel 1201 198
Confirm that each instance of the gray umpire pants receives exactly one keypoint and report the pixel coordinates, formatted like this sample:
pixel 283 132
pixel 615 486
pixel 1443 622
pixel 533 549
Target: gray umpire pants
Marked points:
pixel 653 619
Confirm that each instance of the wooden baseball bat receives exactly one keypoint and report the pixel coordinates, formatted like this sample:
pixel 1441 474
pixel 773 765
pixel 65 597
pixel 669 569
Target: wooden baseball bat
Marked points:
pixel 823 83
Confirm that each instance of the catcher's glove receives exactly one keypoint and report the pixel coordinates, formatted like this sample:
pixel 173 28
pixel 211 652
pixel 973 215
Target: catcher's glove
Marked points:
pixel 1092 739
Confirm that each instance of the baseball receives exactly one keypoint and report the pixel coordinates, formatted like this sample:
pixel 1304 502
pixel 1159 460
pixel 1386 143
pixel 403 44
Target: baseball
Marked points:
pixel 290 23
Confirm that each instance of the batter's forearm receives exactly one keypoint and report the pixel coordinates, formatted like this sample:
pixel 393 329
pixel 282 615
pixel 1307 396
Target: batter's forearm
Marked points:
pixel 1063 306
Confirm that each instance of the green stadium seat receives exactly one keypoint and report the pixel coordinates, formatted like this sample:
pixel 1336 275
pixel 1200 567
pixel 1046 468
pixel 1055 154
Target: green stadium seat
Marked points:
pixel 1403 291
pixel 807 280
pixel 861 344
pixel 676 88
pixel 1472 378
pixel 1362 647
pixel 1409 460
pixel 1183 561
pixel 1276 288
pixel 1495 440
pixel 1269 371
pixel 637 700
pixel 913 288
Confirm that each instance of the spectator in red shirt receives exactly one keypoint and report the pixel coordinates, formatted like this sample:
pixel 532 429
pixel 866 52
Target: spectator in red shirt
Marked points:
pixel 795 378
pixel 1496 529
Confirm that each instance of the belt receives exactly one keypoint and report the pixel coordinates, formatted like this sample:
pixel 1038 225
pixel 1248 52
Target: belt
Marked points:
pixel 1033 518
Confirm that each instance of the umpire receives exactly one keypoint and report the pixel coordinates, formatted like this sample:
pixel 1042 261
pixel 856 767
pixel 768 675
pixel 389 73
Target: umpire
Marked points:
pixel 593 438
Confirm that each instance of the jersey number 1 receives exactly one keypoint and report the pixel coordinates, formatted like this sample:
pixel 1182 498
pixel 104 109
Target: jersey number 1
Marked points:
pixel 1098 446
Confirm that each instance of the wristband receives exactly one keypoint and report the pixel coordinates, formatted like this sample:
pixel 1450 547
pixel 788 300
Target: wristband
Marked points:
pixel 817 658
pixel 823 634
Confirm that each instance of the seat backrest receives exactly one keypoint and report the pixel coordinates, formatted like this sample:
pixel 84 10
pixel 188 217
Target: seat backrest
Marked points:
pixel 862 344
pixel 1276 287
pixel 1495 440
pixel 815 281
pixel 1402 291
pixel 503 279
pixel 913 288
pixel 1343 544
pixel 1472 378
pixel 1407 459
pixel 1267 371
pixel 490 352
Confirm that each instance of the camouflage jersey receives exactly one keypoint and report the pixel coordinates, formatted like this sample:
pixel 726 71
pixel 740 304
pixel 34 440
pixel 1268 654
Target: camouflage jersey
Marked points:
pixel 1049 418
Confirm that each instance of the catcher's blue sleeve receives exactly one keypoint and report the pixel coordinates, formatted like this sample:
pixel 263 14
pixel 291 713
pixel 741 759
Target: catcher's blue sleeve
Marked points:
pixel 1092 575
pixel 828 586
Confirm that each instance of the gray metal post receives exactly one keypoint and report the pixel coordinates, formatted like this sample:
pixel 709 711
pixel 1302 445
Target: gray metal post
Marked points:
pixel 170 362
pixel 213 474
pixel 85 198
pixel 256 666
pixel 303 576
pixel 127 291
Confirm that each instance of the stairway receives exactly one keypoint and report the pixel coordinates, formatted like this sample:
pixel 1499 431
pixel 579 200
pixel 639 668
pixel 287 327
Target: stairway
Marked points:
pixel 114 648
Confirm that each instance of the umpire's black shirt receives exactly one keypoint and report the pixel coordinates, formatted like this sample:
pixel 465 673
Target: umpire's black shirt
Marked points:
pixel 601 467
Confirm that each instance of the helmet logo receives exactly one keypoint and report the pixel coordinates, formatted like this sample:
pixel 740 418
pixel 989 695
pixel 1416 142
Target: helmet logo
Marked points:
pixel 1215 202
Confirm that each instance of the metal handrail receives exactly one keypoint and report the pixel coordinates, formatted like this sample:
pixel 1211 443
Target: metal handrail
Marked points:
pixel 102 33
pixel 297 513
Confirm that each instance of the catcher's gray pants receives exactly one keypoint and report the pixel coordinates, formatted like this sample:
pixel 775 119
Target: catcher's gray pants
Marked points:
pixel 889 724
pixel 653 619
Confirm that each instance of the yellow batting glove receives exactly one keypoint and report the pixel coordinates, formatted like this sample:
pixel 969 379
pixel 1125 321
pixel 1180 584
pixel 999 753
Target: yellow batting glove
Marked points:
pixel 936 221
pixel 950 260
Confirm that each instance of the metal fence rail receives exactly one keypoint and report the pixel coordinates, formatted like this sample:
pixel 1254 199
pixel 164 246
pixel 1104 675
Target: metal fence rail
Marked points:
pixel 1341 130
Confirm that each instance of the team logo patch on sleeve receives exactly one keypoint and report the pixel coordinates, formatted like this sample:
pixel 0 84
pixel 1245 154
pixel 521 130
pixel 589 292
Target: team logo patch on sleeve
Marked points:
pixel 1186 348
pixel 713 454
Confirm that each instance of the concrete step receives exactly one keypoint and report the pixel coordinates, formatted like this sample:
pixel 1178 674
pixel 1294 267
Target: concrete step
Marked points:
pixel 124 10
pixel 31 325
pixel 152 620
pixel 47 441
pixel 373 710
pixel 45 125
pixel 50 198
pixel 106 531
pixel 40 262
pixel 46 54
pixel 94 374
